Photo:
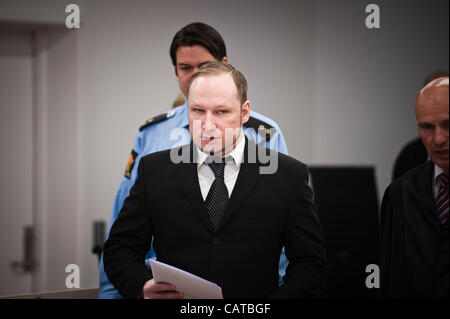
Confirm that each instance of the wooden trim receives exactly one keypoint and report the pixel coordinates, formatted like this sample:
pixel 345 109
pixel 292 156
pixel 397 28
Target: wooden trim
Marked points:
pixel 91 293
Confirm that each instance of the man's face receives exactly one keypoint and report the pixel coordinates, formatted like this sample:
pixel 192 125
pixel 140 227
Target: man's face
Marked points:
pixel 189 59
pixel 432 121
pixel 215 113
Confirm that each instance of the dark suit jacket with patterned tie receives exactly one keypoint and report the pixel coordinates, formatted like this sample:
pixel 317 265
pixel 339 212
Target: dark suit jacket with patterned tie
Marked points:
pixel 414 245
pixel 264 213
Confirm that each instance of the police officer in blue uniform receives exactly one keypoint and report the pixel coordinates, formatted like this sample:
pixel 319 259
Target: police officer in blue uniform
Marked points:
pixel 192 46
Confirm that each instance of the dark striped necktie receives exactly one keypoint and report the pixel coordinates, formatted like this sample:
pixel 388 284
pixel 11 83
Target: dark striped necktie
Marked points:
pixel 442 198
pixel 217 199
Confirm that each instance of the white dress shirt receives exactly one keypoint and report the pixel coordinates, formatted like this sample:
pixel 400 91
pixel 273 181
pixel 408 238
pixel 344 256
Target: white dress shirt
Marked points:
pixel 206 176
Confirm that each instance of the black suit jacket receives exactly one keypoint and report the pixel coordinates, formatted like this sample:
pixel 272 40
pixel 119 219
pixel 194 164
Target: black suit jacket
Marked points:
pixel 410 232
pixel 264 213
pixel 412 155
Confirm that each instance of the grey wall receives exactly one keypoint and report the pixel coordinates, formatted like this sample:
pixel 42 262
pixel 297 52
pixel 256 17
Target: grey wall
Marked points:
pixel 366 80
pixel 341 93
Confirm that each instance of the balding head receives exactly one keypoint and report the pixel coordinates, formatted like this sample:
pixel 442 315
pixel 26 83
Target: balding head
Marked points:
pixel 432 76
pixel 436 83
pixel 432 120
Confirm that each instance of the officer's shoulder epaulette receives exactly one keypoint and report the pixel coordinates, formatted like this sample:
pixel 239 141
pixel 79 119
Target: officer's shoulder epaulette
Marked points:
pixel 156 119
pixel 257 125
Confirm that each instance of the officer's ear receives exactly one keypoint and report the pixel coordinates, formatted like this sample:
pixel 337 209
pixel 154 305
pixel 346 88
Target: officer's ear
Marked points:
pixel 225 59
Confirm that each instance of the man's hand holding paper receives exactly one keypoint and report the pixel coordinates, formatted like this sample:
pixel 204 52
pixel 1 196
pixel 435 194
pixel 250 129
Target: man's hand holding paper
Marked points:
pixel 160 290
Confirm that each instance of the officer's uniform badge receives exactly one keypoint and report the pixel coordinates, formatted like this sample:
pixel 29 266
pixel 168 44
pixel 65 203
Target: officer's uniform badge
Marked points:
pixel 130 164
pixel 259 126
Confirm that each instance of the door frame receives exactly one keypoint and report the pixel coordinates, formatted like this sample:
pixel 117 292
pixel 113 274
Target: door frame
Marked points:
pixel 52 45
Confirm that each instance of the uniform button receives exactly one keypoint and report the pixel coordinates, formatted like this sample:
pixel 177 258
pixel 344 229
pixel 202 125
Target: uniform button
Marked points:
pixel 216 241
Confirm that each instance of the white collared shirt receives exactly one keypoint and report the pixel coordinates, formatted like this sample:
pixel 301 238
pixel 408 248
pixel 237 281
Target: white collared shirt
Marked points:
pixel 206 176
pixel 437 171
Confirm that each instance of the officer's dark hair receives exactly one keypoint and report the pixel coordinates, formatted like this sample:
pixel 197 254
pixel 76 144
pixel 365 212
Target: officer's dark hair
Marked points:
pixel 198 33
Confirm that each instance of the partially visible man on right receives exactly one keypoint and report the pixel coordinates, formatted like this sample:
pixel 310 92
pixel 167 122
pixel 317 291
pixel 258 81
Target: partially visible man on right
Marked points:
pixel 414 153
pixel 414 213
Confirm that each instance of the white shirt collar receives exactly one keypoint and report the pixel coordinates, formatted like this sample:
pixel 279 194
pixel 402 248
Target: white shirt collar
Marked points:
pixel 437 171
pixel 237 153
pixel 436 184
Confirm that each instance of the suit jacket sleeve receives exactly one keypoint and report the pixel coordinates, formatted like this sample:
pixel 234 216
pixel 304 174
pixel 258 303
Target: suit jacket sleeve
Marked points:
pixel 129 240
pixel 385 240
pixel 304 245
pixel 391 243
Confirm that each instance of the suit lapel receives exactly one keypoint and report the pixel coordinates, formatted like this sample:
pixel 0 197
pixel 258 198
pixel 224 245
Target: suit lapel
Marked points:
pixel 247 179
pixel 245 183
pixel 418 190
pixel 188 181
pixel 426 188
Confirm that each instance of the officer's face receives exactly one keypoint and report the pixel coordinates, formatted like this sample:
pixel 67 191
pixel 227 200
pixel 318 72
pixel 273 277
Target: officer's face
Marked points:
pixel 432 121
pixel 189 59
pixel 215 113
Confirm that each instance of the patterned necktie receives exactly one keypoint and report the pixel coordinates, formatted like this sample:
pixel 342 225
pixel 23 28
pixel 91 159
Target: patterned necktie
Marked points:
pixel 217 199
pixel 442 198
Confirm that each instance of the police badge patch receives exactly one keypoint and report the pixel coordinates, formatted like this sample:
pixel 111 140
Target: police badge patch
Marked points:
pixel 130 165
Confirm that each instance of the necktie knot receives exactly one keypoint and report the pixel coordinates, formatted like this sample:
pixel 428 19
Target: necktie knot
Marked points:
pixel 217 165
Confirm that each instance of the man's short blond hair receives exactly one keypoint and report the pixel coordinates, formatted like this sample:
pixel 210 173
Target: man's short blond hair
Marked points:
pixel 214 68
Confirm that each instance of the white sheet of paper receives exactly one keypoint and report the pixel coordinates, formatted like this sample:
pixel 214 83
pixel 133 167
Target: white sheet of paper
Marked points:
pixel 191 285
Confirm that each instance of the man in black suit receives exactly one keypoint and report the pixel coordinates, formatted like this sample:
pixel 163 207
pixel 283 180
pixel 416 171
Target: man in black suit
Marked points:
pixel 227 216
pixel 414 212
